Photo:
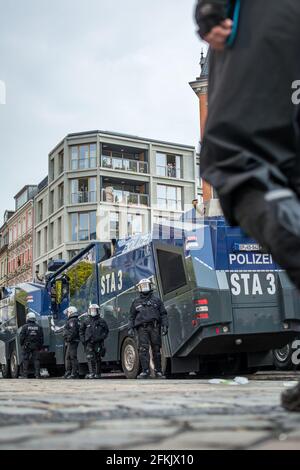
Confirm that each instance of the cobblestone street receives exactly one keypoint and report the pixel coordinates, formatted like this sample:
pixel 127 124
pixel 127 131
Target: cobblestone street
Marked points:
pixel 121 414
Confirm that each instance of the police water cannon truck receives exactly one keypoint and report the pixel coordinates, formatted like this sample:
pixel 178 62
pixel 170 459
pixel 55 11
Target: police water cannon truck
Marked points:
pixel 228 303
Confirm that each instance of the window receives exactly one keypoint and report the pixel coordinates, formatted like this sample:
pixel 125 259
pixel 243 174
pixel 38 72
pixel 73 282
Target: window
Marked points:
pixel 169 165
pixel 169 197
pixel 40 211
pixel 134 224
pixel 51 169
pixel 51 236
pixel 61 162
pixel 114 225
pixel 38 245
pixel 83 226
pixel 46 240
pixel 59 229
pixel 60 195
pixel 83 157
pixel 51 202
pixel 29 220
pixel 21 200
pixel 23 225
pixel 83 190
pixel 172 271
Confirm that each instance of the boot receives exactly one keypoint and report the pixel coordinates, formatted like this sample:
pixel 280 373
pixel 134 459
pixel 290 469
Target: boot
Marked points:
pixel 290 399
pixel 92 371
pixel 98 371
pixel 73 377
pixel 144 375
pixel 158 374
pixel 67 374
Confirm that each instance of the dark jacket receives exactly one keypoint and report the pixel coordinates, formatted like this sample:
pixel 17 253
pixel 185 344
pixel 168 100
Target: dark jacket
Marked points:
pixel 146 309
pixel 210 13
pixel 71 329
pixel 93 330
pixel 31 336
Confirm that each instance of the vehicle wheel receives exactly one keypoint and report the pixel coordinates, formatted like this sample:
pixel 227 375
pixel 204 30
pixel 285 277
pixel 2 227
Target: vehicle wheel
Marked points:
pixel 14 366
pixel 130 359
pixel 283 358
pixel 5 371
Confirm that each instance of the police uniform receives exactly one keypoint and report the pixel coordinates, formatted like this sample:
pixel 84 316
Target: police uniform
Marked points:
pixel 31 340
pixel 93 332
pixel 147 316
pixel 71 337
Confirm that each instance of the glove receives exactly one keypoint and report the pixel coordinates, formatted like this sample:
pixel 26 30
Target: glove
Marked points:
pixel 209 14
pixel 164 330
pixel 131 333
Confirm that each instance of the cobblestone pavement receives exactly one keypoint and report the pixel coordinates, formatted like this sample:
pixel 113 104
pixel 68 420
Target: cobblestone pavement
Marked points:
pixel 121 414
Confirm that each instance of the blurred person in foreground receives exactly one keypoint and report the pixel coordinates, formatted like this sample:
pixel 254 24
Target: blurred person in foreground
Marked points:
pixel 251 148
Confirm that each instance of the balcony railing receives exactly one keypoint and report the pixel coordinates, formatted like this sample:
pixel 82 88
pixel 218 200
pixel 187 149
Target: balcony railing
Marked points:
pixel 124 164
pixel 125 197
pixel 83 163
pixel 168 171
pixel 83 196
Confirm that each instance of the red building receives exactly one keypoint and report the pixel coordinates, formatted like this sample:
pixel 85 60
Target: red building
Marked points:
pixel 200 86
pixel 20 238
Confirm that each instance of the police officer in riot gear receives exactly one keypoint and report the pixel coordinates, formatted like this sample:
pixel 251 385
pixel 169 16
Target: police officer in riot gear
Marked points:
pixel 31 340
pixel 148 317
pixel 71 337
pixel 93 332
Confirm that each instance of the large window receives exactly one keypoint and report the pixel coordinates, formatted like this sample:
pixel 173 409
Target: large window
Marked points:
pixel 168 165
pixel 134 224
pixel 169 197
pixel 21 200
pixel 83 190
pixel 83 157
pixel 83 226
pixel 61 162
pixel 114 225
pixel 172 271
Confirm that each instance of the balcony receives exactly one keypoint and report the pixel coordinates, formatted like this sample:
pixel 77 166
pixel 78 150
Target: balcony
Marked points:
pixel 168 171
pixel 127 198
pixel 82 197
pixel 124 164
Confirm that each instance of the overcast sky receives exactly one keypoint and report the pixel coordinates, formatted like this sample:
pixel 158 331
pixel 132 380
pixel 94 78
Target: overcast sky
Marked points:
pixel 75 65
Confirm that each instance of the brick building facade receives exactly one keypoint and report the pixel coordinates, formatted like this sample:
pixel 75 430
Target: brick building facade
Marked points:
pixel 20 238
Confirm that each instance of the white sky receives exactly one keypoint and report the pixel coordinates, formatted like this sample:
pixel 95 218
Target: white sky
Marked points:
pixel 75 65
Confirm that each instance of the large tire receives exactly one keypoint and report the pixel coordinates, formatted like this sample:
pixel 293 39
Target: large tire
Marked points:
pixel 5 368
pixel 14 366
pixel 130 359
pixel 283 358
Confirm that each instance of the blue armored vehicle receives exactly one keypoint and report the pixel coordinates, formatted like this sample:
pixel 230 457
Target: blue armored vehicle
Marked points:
pixel 228 303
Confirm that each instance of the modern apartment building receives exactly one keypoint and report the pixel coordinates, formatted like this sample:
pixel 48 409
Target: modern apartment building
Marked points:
pixel 4 235
pixel 20 238
pixel 129 181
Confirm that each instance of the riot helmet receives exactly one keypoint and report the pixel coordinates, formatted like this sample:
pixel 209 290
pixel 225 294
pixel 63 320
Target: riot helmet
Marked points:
pixel 144 286
pixel 71 311
pixel 31 317
pixel 94 310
